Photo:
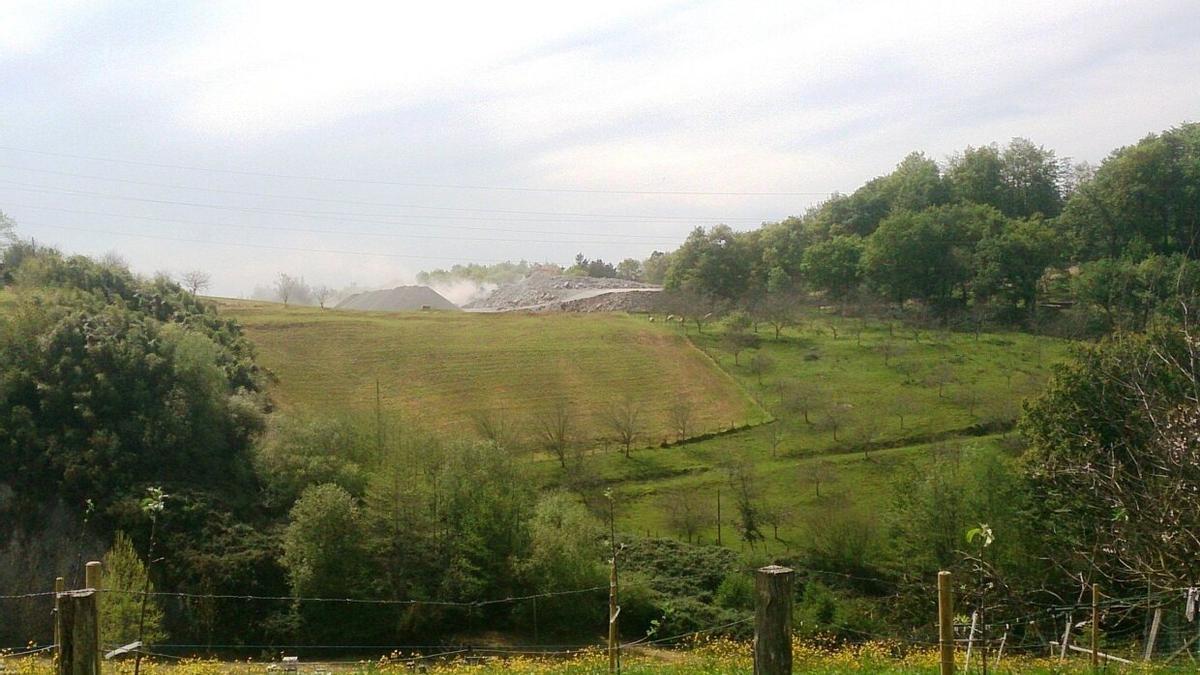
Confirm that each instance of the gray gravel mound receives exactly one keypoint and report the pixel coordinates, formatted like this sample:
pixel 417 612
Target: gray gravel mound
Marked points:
pixel 398 299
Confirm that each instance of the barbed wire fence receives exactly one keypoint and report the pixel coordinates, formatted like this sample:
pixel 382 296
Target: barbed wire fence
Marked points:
pixel 1160 627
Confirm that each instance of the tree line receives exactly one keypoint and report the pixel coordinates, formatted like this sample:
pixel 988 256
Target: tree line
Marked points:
pixel 996 231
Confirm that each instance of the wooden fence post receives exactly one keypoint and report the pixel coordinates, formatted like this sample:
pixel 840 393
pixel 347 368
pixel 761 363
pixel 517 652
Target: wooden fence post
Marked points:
pixel 1153 634
pixel 60 585
pixel 773 621
pixel 78 626
pixel 93 578
pixel 1095 627
pixel 946 623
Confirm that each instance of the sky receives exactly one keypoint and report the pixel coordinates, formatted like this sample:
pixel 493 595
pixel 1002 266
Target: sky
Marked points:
pixel 358 143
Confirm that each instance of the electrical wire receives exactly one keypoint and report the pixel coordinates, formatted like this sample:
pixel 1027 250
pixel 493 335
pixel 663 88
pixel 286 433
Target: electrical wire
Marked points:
pixel 446 186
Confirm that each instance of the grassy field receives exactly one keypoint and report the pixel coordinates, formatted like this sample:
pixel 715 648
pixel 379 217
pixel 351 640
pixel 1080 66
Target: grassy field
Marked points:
pixel 445 369
pixel 868 377
pixel 875 398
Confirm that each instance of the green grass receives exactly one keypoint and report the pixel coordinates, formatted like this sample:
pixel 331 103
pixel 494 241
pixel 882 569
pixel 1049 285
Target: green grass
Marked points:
pixel 989 376
pixel 443 369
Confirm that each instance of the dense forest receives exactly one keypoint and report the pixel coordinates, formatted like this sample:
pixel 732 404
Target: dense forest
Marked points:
pixel 134 420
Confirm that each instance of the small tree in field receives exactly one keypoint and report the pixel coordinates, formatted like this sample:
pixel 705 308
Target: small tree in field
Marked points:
pixel 761 364
pixel 623 419
pixel 322 294
pixel 195 281
pixel 774 434
pixel 687 513
pixel 737 339
pixel 799 398
pixel 681 412
pixel 817 474
pixel 836 417
pixel 555 427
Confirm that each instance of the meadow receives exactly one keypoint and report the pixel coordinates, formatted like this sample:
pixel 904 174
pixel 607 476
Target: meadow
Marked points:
pixel 825 415
pixel 445 370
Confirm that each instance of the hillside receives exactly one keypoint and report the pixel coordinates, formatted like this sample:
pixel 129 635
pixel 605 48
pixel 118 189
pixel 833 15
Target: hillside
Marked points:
pixel 447 369
pixel 869 375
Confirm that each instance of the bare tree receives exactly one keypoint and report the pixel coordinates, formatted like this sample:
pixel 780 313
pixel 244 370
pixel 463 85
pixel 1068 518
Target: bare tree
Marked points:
pixel 799 397
pixel 761 364
pixel 736 341
pixel 681 412
pixel 699 308
pixel 836 417
pixel 774 433
pixel 8 231
pixel 779 310
pixel 556 427
pixel 747 492
pixel 868 433
pixel 493 424
pixel 623 419
pixel 687 513
pixel 322 294
pixel 195 281
pixel 903 407
pixel 942 375
pixel 968 397
pixel 286 287
pixel 816 474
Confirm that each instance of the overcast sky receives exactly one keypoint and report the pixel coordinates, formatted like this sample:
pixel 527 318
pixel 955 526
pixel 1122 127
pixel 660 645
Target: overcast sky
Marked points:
pixel 361 142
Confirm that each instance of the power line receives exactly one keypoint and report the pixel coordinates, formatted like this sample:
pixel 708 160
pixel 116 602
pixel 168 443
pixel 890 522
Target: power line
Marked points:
pixel 366 218
pixel 274 228
pixel 557 214
pixel 446 186
pixel 262 246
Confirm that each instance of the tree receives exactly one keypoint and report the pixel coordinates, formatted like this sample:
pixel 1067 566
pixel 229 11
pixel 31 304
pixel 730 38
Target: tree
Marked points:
pixel 681 413
pixel 836 417
pixel 799 397
pixel 286 288
pixel 774 432
pixel 734 342
pixel 699 308
pixel 942 375
pixel 8 231
pixel 1031 177
pixel 928 256
pixel 747 492
pixel 975 176
pixel 322 294
pixel 687 513
pixel 1011 263
pixel 564 552
pixel 556 428
pixel 629 268
pixel 761 364
pixel 779 310
pixel 712 262
pixel 623 419
pixel 125 577
pixel 816 474
pixel 322 545
pixel 1109 463
pixel 195 281
pixel 1142 198
pixel 835 265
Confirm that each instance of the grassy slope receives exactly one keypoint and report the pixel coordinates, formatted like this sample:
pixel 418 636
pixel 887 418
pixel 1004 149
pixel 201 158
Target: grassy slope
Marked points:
pixel 998 369
pixel 440 368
